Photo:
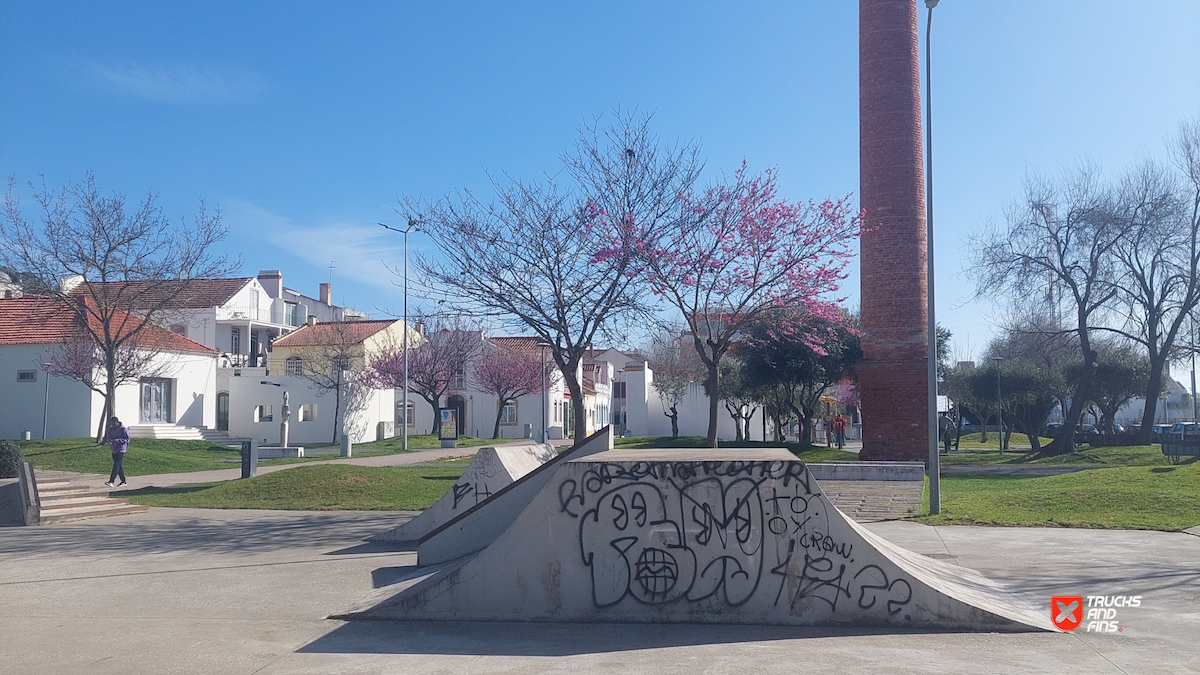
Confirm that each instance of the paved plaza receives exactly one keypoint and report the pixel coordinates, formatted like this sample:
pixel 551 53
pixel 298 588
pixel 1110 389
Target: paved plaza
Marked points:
pixel 206 591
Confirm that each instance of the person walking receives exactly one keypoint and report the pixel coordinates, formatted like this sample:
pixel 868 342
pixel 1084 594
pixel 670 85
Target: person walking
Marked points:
pixel 118 441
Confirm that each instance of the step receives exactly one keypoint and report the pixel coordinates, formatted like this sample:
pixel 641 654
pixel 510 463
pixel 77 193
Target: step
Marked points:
pixel 50 501
pixel 98 512
pixel 81 505
pixel 53 483
pixel 60 488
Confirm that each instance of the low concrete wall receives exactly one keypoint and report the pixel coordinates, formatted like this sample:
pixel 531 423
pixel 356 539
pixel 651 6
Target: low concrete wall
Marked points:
pixel 868 471
pixel 12 505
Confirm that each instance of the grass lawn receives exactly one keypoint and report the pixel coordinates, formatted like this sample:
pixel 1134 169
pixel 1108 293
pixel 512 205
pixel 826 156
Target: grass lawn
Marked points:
pixel 809 453
pixel 972 442
pixel 145 456
pixel 1100 457
pixel 1131 497
pixel 317 488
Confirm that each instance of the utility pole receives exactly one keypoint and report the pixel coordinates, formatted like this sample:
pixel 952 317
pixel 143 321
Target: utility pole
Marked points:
pixel 935 460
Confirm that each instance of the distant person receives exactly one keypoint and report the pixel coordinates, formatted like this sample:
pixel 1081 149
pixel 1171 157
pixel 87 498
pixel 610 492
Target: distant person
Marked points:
pixel 947 431
pixel 118 441
pixel 828 433
pixel 839 430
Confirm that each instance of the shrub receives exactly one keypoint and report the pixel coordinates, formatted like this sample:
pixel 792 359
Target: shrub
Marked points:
pixel 10 459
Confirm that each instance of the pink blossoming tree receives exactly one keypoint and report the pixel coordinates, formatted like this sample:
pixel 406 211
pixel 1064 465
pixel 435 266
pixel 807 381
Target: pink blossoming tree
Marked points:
pixel 739 250
pixel 507 373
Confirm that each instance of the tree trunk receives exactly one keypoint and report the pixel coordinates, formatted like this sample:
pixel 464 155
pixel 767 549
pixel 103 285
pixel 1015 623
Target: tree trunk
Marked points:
pixel 337 420
pixel 1154 386
pixel 103 422
pixel 1064 442
pixel 434 402
pixel 576 391
pixel 736 414
pixel 714 399
pixel 674 415
pixel 499 414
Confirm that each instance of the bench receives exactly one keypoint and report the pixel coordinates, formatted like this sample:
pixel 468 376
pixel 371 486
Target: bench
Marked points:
pixel 1177 449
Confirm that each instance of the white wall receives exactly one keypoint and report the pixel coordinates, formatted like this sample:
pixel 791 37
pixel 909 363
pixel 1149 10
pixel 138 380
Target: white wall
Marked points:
pixel 247 393
pixel 75 410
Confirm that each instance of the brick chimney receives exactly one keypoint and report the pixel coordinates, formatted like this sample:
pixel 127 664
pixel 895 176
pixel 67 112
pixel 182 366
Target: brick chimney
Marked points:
pixel 272 282
pixel 893 376
pixel 326 294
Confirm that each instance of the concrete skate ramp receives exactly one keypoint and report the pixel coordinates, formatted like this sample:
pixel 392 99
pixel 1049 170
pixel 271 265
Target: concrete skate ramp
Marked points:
pixel 698 535
pixel 480 525
pixel 490 470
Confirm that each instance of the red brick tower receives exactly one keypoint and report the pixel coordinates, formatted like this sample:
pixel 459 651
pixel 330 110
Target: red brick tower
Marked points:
pixel 892 183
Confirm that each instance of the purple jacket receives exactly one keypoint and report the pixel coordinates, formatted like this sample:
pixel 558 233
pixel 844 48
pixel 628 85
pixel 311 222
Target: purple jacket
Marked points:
pixel 118 438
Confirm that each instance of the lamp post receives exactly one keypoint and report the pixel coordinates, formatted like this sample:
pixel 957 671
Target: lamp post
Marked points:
pixel 935 469
pixel 1000 404
pixel 545 389
pixel 412 225
pixel 46 400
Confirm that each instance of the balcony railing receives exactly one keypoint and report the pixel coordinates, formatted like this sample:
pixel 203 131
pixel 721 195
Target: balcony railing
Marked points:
pixel 278 313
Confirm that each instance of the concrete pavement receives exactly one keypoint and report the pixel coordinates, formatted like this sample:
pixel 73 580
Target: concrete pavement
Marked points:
pixel 199 591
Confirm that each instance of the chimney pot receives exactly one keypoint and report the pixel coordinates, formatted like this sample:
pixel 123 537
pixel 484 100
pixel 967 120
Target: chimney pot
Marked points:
pixel 326 295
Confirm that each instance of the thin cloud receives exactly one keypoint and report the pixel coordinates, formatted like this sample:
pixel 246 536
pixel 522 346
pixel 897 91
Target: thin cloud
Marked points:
pixel 364 252
pixel 171 83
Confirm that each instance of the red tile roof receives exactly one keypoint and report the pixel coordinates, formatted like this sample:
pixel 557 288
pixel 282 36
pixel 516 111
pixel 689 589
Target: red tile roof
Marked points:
pixel 334 332
pixel 196 293
pixel 527 345
pixel 34 319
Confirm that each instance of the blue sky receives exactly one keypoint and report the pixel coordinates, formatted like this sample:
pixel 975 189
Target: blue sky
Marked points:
pixel 306 121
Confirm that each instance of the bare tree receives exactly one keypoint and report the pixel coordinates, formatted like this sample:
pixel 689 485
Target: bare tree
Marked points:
pixel 560 258
pixel 673 369
pixel 1159 272
pixel 506 373
pixel 331 359
pixel 130 265
pixel 1059 244
pixel 82 361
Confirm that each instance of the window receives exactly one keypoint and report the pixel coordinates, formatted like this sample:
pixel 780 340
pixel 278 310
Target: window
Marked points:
pixel 254 305
pixel 412 414
pixel 264 413
pixel 293 366
pixel 291 314
pixel 308 412
pixel 340 363
pixel 235 340
pixel 156 400
pixel 509 414
pixel 180 329
pixel 26 376
pixel 8 295
pixel 460 379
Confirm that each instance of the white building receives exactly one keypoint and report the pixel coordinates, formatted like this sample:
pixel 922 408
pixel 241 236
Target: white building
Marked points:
pixel 33 328
pixel 241 317
pixel 1175 405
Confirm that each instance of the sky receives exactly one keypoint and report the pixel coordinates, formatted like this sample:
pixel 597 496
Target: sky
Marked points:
pixel 307 122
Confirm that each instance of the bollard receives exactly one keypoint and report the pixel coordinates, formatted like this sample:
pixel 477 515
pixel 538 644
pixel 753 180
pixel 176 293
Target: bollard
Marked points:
pixel 347 447
pixel 249 458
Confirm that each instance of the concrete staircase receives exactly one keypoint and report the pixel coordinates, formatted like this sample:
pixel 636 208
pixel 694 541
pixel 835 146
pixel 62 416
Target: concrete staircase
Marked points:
pixel 182 433
pixel 63 501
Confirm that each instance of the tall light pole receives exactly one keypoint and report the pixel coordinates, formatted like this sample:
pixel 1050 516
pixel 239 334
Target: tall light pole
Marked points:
pixel 935 469
pixel 1000 405
pixel 412 225
pixel 545 389
pixel 46 400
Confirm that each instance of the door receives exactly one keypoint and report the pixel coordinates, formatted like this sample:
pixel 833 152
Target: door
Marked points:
pixel 223 411
pixel 156 400
pixel 253 349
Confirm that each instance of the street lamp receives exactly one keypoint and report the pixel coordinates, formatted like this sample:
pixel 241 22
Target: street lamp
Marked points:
pixel 412 225
pixel 935 469
pixel 46 401
pixel 545 389
pixel 1000 405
